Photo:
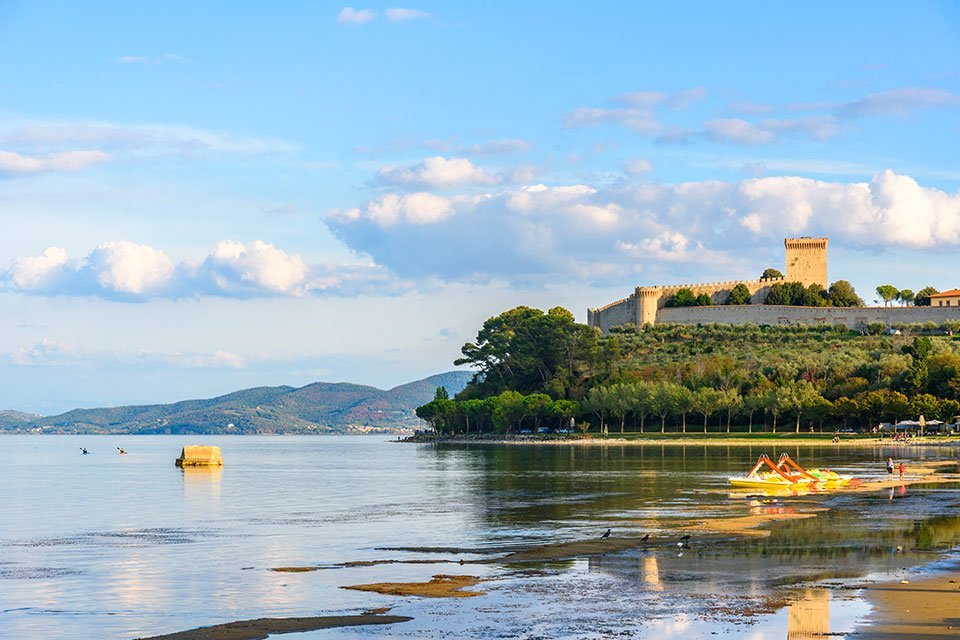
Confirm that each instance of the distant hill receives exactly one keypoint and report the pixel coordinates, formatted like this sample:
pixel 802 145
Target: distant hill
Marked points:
pixel 10 418
pixel 321 407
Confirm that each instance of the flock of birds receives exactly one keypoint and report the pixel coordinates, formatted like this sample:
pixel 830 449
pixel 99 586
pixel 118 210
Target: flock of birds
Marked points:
pixel 681 544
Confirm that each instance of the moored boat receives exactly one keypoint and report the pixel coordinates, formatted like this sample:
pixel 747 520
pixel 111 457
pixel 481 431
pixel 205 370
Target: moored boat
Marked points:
pixel 787 474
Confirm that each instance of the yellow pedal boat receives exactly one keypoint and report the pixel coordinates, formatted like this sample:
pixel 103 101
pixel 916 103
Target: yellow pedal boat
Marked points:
pixel 787 474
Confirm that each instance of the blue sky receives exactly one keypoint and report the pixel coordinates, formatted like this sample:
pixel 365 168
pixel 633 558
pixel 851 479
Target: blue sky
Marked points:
pixel 200 198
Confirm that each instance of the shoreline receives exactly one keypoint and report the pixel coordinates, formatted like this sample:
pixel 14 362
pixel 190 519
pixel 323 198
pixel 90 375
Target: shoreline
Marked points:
pixel 693 439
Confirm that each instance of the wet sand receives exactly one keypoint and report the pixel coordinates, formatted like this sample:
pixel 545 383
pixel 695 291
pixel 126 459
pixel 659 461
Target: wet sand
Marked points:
pixel 927 607
pixel 748 525
pixel 261 628
pixel 577 548
pixel 441 586
pixel 361 563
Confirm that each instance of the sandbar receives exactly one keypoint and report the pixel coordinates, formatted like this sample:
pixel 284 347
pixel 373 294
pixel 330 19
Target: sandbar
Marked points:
pixel 441 586
pixel 362 563
pixel 747 525
pixel 261 628
pixel 573 549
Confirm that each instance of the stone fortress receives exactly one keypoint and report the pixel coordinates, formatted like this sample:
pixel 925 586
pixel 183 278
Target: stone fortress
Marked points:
pixel 806 263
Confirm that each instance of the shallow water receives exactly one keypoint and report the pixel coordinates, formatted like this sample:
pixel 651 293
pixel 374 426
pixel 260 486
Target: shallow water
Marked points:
pixel 110 546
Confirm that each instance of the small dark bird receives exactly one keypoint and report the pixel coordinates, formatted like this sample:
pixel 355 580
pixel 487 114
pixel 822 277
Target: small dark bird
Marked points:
pixel 605 535
pixel 645 537
pixel 685 538
pixel 84 450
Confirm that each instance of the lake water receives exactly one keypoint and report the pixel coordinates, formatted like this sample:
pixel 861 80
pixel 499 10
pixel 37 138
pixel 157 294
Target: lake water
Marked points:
pixel 111 546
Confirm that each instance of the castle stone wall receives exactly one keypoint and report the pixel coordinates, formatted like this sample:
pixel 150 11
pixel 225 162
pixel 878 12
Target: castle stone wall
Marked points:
pixel 850 317
pixel 718 291
pixel 614 314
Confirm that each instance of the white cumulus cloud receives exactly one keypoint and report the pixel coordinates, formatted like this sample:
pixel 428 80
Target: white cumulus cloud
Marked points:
pixel 234 267
pixel 129 268
pixel 37 272
pixel 349 15
pixel 127 271
pixel 585 231
pixel 437 172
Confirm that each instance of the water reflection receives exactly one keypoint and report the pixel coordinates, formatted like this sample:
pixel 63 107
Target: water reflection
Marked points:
pixel 201 485
pixel 140 547
pixel 651 573
pixel 809 616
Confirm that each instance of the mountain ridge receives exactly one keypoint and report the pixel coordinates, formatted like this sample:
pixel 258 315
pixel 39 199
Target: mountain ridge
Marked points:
pixel 318 407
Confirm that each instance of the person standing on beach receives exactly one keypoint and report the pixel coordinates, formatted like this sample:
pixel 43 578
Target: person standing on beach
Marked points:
pixel 902 469
pixel 890 466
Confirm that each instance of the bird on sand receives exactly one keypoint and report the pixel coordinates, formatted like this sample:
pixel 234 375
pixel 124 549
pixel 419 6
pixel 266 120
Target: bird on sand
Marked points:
pixel 84 450
pixel 645 537
pixel 683 542
pixel 605 535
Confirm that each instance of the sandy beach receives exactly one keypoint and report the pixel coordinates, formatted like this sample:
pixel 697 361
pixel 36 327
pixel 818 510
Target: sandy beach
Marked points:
pixel 926 607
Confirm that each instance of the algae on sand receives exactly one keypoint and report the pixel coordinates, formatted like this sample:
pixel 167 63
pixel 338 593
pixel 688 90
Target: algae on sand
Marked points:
pixel 441 586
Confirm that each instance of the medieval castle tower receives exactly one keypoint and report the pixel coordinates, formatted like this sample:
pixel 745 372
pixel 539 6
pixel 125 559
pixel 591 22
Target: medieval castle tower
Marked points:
pixel 806 261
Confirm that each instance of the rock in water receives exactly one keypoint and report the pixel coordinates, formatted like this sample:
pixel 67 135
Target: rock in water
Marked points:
pixel 200 455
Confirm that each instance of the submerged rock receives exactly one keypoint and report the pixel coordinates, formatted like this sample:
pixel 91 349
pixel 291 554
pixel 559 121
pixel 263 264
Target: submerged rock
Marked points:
pixel 200 455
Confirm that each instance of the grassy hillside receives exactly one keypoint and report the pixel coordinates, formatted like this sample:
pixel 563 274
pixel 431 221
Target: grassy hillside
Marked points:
pixel 320 407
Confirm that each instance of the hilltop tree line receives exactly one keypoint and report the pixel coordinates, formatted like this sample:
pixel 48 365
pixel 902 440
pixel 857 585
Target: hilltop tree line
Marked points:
pixel 540 370
pixel 889 294
pixel 840 294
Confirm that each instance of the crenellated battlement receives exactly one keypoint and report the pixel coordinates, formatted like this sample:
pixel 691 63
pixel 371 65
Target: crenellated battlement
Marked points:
pixel 820 244
pixel 612 304
pixel 719 285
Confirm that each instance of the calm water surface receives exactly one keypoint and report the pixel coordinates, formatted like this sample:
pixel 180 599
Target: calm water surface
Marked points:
pixel 110 546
